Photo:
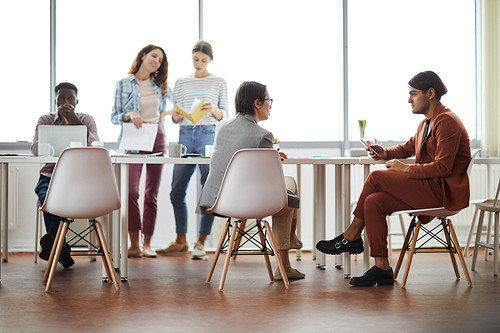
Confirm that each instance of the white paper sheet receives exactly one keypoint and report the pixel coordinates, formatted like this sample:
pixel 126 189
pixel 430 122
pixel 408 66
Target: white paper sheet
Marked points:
pixel 138 138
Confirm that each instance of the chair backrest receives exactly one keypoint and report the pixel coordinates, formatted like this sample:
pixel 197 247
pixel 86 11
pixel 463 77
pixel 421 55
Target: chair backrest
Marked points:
pixel 253 185
pixel 83 184
pixel 473 155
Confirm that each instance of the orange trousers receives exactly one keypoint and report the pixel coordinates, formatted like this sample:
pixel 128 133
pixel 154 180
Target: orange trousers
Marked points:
pixel 385 192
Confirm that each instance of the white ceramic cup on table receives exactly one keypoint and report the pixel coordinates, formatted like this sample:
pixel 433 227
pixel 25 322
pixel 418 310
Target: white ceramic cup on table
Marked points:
pixel 45 149
pixel 176 150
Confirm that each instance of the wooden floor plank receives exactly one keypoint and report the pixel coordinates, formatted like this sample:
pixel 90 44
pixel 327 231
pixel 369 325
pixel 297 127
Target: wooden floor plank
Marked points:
pixel 169 294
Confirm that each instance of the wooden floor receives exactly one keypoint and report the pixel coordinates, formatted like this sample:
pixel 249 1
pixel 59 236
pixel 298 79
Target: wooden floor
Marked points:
pixel 169 294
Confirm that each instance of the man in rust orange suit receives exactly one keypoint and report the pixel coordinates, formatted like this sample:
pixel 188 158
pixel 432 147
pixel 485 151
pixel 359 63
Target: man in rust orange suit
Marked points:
pixel 441 147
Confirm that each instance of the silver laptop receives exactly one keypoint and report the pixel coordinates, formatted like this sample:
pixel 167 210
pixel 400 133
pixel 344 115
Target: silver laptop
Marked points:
pixel 59 136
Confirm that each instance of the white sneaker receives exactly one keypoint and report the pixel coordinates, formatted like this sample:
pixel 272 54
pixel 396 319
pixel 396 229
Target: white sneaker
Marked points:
pixel 198 251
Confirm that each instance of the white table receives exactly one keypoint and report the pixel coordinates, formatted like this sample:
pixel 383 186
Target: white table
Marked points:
pixel 121 170
pixel 119 219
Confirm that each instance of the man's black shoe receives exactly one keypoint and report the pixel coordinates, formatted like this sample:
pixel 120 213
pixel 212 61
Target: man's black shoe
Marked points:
pixel 46 243
pixel 373 276
pixel 339 245
pixel 65 258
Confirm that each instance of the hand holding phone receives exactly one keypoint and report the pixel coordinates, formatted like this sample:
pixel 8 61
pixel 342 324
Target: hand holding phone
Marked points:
pixel 368 146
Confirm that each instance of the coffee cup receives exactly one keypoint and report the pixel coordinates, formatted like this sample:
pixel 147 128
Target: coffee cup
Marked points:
pixel 176 150
pixel 75 144
pixel 45 149
pixel 97 144
pixel 209 149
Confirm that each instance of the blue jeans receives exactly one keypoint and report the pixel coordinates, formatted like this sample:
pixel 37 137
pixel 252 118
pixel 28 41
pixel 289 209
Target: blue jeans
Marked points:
pixel 51 221
pixel 194 138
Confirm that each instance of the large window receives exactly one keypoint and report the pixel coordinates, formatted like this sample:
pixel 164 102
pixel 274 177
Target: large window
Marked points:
pixel 97 41
pixel 292 47
pixel 25 58
pixel 389 42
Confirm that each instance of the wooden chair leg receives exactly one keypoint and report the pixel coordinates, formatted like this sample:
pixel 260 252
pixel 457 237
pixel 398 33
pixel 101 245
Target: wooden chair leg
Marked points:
pixel 411 253
pixel 110 270
pixel 447 225
pixel 471 231
pixel 488 236
pixel 99 244
pixel 228 256
pixel 495 244
pixel 52 253
pixel 218 251
pixel 460 254
pixel 403 249
pixel 263 243
pixel 60 241
pixel 278 258
pixel 478 239
pixel 238 240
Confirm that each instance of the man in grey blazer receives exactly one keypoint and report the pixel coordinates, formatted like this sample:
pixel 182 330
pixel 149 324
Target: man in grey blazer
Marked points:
pixel 252 105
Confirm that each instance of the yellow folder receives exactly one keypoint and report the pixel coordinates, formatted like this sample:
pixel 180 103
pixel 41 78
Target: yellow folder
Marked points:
pixel 194 116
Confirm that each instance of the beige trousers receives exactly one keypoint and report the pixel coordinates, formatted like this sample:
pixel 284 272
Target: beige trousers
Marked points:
pixel 283 220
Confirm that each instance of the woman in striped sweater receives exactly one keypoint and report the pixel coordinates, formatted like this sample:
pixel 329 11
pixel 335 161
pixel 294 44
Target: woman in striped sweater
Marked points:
pixel 212 90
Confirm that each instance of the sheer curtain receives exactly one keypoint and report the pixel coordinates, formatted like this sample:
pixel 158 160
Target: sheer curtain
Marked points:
pixel 490 14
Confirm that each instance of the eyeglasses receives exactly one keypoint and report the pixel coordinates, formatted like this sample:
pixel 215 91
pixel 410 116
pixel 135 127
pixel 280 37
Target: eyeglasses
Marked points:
pixel 269 101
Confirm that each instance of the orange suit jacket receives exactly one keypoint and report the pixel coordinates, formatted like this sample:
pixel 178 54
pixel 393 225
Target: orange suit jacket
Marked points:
pixel 442 157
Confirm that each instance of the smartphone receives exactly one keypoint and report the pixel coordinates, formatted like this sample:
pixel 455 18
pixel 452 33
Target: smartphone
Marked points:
pixel 368 146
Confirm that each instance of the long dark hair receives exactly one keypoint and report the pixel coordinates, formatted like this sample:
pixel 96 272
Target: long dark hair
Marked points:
pixel 161 75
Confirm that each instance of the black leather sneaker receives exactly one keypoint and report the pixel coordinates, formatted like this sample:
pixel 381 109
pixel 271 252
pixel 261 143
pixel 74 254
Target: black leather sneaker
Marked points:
pixel 373 276
pixel 339 245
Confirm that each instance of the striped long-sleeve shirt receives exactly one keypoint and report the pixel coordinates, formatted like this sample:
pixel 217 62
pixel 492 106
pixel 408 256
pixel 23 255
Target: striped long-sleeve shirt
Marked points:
pixel 211 89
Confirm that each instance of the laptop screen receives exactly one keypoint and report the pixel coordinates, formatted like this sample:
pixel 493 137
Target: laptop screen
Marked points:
pixel 59 136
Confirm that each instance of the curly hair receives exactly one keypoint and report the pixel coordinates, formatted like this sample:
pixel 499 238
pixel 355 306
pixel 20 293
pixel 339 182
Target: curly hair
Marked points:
pixel 161 75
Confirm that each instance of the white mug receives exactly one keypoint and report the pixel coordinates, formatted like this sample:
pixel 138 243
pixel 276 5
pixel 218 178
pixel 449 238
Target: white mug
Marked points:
pixel 97 144
pixel 45 149
pixel 75 144
pixel 209 149
pixel 176 150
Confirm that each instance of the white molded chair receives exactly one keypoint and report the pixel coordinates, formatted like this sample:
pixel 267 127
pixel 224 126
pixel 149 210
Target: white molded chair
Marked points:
pixel 450 242
pixel 253 187
pixel 83 186
pixel 493 207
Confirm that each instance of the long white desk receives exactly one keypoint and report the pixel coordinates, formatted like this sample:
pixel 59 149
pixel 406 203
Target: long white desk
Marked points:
pixel 121 170
pixel 119 241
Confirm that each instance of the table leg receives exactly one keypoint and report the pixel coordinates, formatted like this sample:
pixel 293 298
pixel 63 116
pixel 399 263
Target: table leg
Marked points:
pixel 298 253
pixel 339 227
pixel 347 214
pixel 124 221
pixel 320 210
pixel 366 253
pixel 4 216
pixel 115 235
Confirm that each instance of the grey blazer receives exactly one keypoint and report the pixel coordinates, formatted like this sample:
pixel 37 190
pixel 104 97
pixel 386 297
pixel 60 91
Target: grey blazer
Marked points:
pixel 231 136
